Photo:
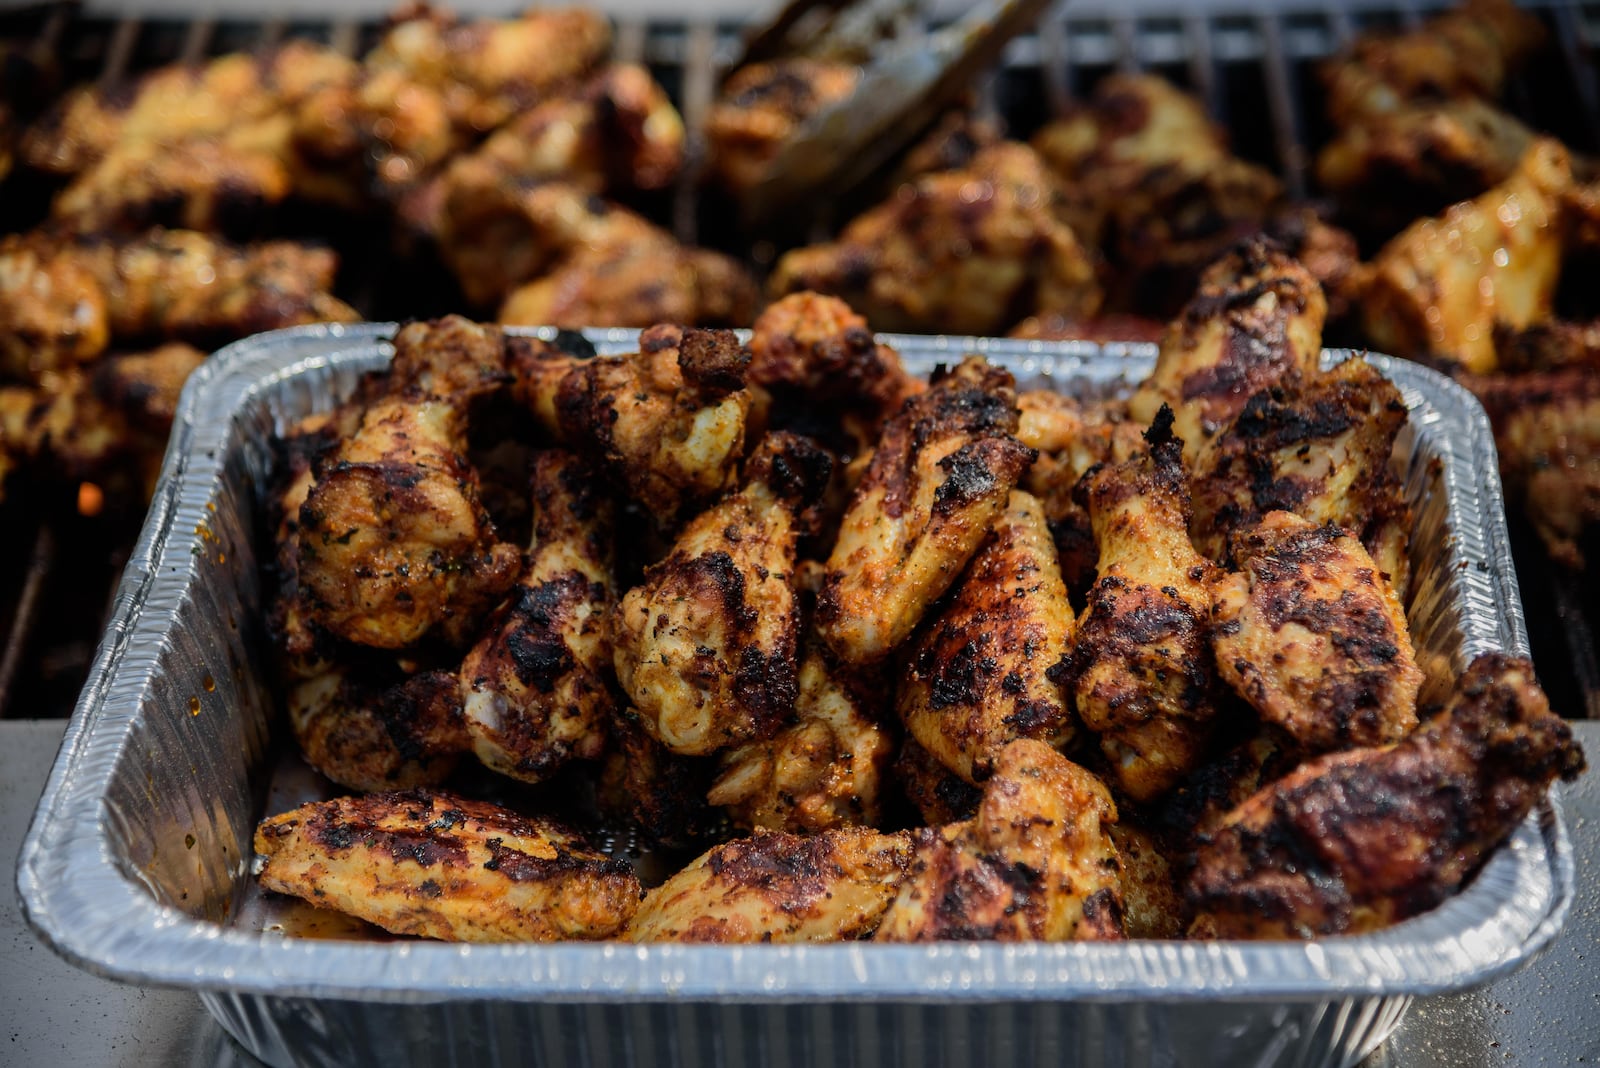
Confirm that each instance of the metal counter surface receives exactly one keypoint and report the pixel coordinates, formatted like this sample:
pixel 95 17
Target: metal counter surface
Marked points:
pixel 52 1014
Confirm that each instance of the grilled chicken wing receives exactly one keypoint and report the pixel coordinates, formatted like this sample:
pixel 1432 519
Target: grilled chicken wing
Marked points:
pixel 1442 288
pixel 620 133
pixel 231 98
pixel 705 646
pixel 986 670
pixel 1256 319
pixel 145 386
pixel 487 71
pixel 826 769
pixel 536 688
pixel 393 539
pixel 667 422
pixel 938 793
pixel 1358 840
pixel 1142 665
pixel 442 866
pixel 1467 51
pixel 1035 863
pixel 777 887
pixel 62 299
pixel 555 254
pixel 967 251
pixel 375 728
pixel 765 104
pixel 1156 187
pixel 1152 906
pixel 1317 446
pixel 941 475
pixel 1312 636
pixel 1392 165
pixel 813 348
pixel 1547 432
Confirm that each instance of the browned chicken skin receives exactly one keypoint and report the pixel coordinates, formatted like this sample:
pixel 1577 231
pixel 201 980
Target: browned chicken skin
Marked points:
pixel 377 729
pixel 393 539
pixel 1358 840
pixel 1316 445
pixel 62 299
pixel 442 866
pixel 778 887
pixel 667 422
pixel 536 689
pixel 1155 186
pixel 987 669
pixel 1142 665
pixel 941 474
pixel 1034 864
pixel 826 769
pixel 968 251
pixel 763 105
pixel 1313 637
pixel 706 645
pixel 1256 318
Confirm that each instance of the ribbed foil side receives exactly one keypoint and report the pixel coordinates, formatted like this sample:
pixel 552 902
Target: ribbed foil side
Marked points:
pixel 137 867
pixel 322 1034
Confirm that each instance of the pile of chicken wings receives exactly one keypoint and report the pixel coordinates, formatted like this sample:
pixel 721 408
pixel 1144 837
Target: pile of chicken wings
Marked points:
pixel 870 657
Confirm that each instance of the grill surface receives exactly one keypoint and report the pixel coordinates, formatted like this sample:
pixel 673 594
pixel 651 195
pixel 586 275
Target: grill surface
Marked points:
pixel 1255 70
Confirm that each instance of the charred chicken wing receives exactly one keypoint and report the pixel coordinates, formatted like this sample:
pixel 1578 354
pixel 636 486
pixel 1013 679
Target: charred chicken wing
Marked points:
pixel 442 866
pixel 1358 840
pixel 1035 864
pixel 706 646
pixel 941 475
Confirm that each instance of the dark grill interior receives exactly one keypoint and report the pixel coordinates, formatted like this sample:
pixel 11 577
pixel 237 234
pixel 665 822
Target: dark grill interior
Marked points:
pixel 1255 71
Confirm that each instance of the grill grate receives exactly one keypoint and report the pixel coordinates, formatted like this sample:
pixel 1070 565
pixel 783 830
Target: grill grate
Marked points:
pixel 1254 69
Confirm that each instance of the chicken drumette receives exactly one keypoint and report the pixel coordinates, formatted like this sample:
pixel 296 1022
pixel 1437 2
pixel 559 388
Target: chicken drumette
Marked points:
pixel 941 475
pixel 1035 863
pixel 1142 666
pixel 1358 840
pixel 536 689
pixel 442 866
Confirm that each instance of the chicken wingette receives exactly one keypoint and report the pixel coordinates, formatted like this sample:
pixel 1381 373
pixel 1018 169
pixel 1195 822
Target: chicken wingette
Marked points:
pixel 777 887
pixel 1256 319
pixel 1036 863
pixel 667 422
pixel 940 476
pixel 967 251
pixel 536 689
pixel 1313 637
pixel 987 669
pixel 1358 840
pixel 1141 667
pixel 706 644
pixel 441 866
pixel 828 768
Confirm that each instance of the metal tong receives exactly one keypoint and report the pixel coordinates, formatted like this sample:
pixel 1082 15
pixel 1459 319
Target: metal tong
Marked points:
pixel 908 80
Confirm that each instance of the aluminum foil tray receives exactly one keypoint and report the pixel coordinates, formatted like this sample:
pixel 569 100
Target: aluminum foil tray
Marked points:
pixel 137 866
